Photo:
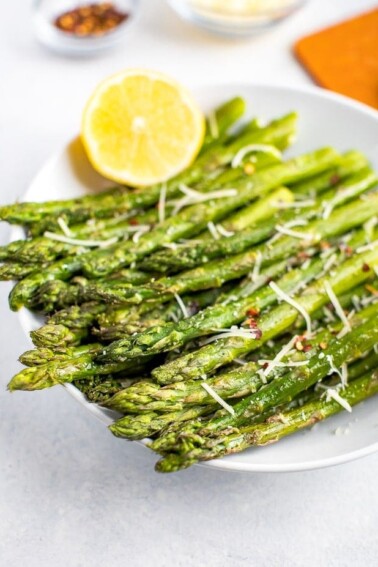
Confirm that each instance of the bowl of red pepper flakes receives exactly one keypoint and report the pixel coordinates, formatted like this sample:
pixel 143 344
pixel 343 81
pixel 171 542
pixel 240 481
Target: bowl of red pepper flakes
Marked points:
pixel 81 27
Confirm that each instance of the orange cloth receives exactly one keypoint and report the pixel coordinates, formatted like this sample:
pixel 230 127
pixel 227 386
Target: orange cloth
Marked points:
pixel 344 57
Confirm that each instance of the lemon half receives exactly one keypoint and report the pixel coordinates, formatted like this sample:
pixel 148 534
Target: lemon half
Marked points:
pixel 141 127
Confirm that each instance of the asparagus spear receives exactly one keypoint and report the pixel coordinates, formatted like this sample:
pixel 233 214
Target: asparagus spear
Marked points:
pixel 349 163
pixel 68 327
pixel 205 248
pixel 57 294
pixel 17 271
pixel 44 249
pixel 66 371
pixel 82 367
pixel 121 200
pixel 111 226
pixel 221 120
pixel 195 219
pixel 275 428
pixel 283 389
pixel 212 356
pixel 171 335
pixel 98 389
pixel 153 403
pixel 190 221
pixel 235 383
pixel 192 254
pixel 216 273
pixel 40 356
pixel 349 275
pixel 27 213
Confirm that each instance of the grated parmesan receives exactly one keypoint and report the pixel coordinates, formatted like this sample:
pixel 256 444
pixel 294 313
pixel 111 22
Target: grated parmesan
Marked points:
pixel 332 394
pixel 367 247
pixel 181 305
pixel 234 331
pixel 223 231
pixel 213 231
pixel 264 148
pixel 78 242
pixel 291 224
pixel 339 310
pixel 342 373
pixel 285 364
pixel 217 398
pixel 279 356
pixel 240 361
pixel 294 233
pixel 285 297
pixel 170 245
pixel 139 233
pixel 369 227
pixel 192 197
pixel 294 204
pixel 174 317
pixel 256 268
pixel 64 227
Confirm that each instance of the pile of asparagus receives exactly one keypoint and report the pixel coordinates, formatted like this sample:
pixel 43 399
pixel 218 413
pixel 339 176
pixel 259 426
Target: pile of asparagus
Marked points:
pixel 226 308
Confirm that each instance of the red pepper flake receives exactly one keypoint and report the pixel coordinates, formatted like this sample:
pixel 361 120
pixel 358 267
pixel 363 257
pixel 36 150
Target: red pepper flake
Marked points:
pixel 301 344
pixel 365 267
pixel 134 222
pixel 302 255
pixel 348 250
pixel 265 365
pixel 334 179
pixel 325 245
pixel 252 324
pixel 253 312
pixel 257 333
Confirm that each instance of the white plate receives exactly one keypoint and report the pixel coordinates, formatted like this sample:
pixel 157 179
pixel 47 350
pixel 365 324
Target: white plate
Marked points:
pixel 325 119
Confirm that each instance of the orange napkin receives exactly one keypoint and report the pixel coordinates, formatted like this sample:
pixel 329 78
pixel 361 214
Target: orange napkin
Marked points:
pixel 344 57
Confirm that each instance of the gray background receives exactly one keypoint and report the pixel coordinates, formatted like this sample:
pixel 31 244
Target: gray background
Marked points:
pixel 71 494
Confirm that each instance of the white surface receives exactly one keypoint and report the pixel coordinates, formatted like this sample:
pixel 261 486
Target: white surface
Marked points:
pixel 324 119
pixel 70 493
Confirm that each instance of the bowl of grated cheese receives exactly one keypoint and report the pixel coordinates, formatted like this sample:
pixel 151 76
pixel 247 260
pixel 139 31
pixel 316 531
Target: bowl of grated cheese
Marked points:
pixel 235 18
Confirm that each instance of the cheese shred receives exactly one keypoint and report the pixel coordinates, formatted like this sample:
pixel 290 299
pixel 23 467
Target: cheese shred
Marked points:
pixel 285 297
pixel 182 305
pixel 193 197
pixel 64 227
pixel 332 394
pixel 217 398
pixel 223 231
pixel 263 148
pixel 279 356
pixel 78 242
pixel 339 310
pixel 213 230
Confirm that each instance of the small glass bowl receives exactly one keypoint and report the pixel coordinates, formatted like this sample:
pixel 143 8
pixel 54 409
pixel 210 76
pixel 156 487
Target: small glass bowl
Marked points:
pixel 235 18
pixel 46 11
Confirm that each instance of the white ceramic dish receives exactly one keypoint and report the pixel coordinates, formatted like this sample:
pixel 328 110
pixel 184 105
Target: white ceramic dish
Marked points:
pixel 325 119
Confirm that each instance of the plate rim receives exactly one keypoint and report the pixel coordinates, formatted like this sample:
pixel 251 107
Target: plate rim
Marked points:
pixel 222 464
